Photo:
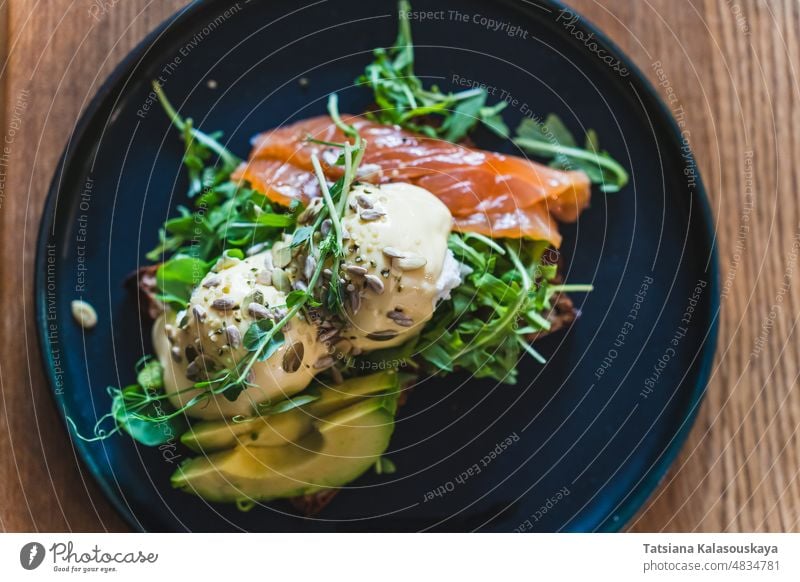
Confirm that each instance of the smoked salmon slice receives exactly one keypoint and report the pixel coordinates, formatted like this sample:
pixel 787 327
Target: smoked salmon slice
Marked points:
pixel 491 193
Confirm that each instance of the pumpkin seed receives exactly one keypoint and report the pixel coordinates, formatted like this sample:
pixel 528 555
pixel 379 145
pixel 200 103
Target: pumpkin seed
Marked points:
pixel 84 314
pixel 409 262
pixel 393 252
pixel 256 296
pixel 281 254
pixel 264 277
pixel 280 280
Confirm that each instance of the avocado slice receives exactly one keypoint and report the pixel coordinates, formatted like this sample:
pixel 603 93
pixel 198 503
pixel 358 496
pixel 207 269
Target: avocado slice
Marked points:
pixel 352 390
pixel 289 426
pixel 338 449
pixel 264 431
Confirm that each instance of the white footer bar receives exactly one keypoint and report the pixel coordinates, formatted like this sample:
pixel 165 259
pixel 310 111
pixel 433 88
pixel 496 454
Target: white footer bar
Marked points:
pixel 397 557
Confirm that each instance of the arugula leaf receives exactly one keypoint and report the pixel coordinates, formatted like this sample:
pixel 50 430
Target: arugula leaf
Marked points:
pixel 464 117
pixel 133 406
pixel 402 98
pixel 491 117
pixel 551 139
pixel 505 297
pixel 176 278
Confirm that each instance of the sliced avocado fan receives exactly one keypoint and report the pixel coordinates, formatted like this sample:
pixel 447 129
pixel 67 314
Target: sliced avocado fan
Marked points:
pixel 290 426
pixel 335 449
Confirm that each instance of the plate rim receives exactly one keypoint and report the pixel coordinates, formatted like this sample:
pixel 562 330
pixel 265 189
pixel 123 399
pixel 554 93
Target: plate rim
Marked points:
pixel 636 498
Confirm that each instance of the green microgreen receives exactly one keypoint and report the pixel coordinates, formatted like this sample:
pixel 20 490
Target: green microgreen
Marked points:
pixel 402 99
pixel 552 140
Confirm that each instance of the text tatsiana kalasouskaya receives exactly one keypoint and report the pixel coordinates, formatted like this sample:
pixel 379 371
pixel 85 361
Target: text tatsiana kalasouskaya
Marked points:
pixel 750 548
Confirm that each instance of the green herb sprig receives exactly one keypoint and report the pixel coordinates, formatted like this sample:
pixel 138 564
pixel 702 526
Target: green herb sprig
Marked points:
pixel 552 140
pixel 226 217
pixel 403 100
pixel 505 296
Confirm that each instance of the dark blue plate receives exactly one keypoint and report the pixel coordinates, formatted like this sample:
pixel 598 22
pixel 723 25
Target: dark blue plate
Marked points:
pixel 579 443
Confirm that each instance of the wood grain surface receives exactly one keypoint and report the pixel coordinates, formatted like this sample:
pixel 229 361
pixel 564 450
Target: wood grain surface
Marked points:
pixel 733 66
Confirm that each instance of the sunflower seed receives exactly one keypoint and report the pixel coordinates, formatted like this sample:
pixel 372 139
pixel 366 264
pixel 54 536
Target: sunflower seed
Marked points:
pixel 224 304
pixel 311 211
pixel 345 234
pixel 400 318
pixel 199 312
pixel 255 249
pixel 371 214
pixel 324 363
pixel 355 301
pixel 355 270
pixel 328 335
pixel 310 267
pixel 300 285
pixel 84 314
pixel 363 201
pixel 393 252
pixel 257 311
pixel 212 281
pixel 234 337
pixel 281 254
pixel 410 262
pixel 374 283
pixel 176 354
pixel 325 227
pixel 382 336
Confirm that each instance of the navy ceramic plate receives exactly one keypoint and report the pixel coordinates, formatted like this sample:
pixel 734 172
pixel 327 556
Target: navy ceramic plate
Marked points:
pixel 579 443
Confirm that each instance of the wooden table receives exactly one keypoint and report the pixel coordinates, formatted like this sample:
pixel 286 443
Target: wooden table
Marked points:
pixel 734 66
